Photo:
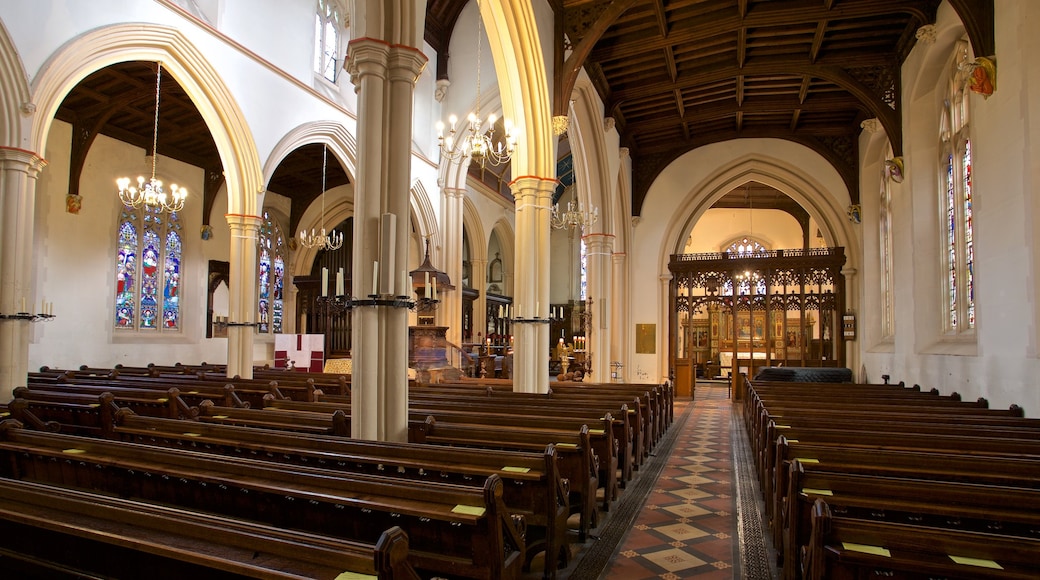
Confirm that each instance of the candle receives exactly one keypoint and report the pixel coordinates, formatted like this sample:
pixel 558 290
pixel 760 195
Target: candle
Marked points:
pixel 339 282
pixel 537 309
pixel 375 278
pixel 501 311
pixel 435 288
pixel 23 305
pixel 324 281
pixel 426 285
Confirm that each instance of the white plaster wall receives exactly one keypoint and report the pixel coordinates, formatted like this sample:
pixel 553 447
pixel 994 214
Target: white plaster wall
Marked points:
pixel 688 187
pixel 272 99
pixel 717 228
pixel 999 361
pixel 75 263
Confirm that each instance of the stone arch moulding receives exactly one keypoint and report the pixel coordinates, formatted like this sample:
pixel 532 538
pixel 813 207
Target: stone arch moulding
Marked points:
pixel 817 202
pixel 185 62
pixel 425 220
pixel 471 224
pixel 507 243
pixel 342 149
pixel 14 94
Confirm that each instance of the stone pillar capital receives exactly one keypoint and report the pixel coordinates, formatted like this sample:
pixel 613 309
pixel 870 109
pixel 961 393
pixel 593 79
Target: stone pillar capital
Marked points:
pixel 406 63
pixel 29 161
pixel 454 192
pixel 366 56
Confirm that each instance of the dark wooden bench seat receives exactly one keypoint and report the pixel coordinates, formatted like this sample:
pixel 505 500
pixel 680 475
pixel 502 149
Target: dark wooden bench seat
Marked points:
pixel 627 426
pixel 640 415
pixel 453 530
pixel 578 464
pixel 937 465
pixel 842 547
pixel 240 395
pixel 336 423
pixel 602 426
pixel 47 528
pixel 1009 511
pixel 654 408
pixel 532 485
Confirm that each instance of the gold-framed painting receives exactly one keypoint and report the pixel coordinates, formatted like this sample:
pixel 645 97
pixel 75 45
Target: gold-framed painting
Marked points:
pixel 646 338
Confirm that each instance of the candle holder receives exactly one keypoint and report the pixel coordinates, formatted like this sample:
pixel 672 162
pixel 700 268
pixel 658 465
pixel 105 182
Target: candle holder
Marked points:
pixel 339 305
pixel 29 317
pixel 226 324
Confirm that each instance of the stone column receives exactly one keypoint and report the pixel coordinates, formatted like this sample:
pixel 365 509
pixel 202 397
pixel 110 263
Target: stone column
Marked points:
pixel 598 250
pixel 619 328
pixel 242 306
pixel 478 273
pixel 384 77
pixel 18 171
pixel 533 198
pixel 451 303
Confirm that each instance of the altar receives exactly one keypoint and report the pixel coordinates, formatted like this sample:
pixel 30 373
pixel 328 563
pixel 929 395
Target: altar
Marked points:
pixel 756 359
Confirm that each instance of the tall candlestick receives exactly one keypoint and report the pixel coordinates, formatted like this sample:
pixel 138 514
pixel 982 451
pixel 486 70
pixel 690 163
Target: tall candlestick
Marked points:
pixel 375 277
pixel 324 281
pixel 426 285
pixel 435 288
pixel 339 282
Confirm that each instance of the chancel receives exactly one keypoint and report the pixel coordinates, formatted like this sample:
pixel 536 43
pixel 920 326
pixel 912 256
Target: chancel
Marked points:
pixel 719 288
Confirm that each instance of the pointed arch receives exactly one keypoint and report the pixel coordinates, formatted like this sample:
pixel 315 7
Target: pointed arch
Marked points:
pixel 14 93
pixel 513 39
pixel 474 228
pixel 818 203
pixel 188 66
pixel 343 150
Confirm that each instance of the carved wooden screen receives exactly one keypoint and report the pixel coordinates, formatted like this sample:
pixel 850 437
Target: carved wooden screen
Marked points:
pixel 776 307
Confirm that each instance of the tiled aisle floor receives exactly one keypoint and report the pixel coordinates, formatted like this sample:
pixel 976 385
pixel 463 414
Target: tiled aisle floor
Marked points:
pixel 688 525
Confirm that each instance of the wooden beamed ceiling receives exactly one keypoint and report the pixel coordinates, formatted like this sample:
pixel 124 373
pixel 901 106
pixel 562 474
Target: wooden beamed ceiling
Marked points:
pixel 680 74
pixel 674 74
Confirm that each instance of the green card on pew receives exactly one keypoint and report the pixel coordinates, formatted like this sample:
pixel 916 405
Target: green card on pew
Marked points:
pixel 976 562
pixel 469 510
pixel 865 549
pixel 516 469
pixel 355 576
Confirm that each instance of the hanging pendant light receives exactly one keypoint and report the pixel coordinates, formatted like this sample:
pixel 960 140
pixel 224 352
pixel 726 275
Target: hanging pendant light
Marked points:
pixel 151 193
pixel 319 240
pixel 472 140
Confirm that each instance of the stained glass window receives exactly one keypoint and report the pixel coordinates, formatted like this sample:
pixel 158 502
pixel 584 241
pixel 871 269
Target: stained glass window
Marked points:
pixel 957 198
pixel 326 39
pixel 148 258
pixel 584 272
pixel 746 247
pixel 270 275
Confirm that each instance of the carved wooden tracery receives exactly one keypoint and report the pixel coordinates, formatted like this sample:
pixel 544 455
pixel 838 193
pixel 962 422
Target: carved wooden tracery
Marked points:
pixel 777 307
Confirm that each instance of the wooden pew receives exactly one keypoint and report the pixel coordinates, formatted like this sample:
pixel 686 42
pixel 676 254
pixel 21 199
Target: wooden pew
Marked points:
pixel 578 464
pixel 336 423
pixel 532 485
pixel 91 418
pixel 842 547
pixel 627 427
pixel 949 465
pixel 47 529
pixel 154 403
pixel 513 416
pixel 995 509
pixel 453 530
pixel 640 414
pixel 655 408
